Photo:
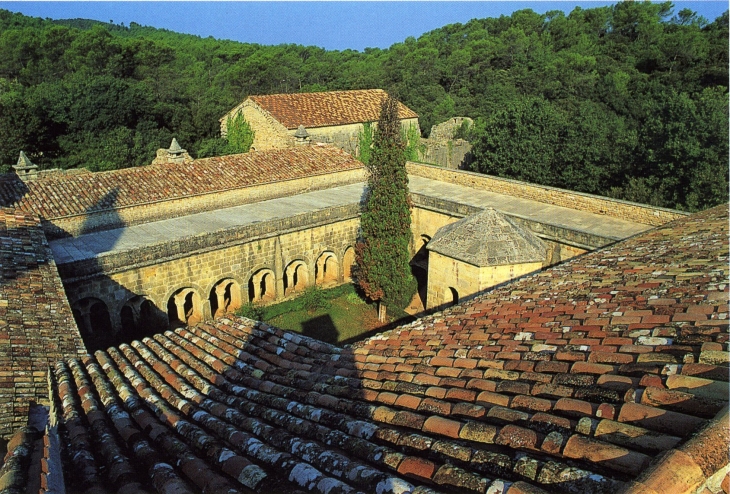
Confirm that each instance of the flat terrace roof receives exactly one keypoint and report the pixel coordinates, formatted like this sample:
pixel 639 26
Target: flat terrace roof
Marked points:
pixel 96 244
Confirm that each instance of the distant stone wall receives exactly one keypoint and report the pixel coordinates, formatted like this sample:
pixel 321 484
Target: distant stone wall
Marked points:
pixel 452 154
pixel 615 208
pixel 442 148
pixel 143 213
pixel 347 137
pixel 446 131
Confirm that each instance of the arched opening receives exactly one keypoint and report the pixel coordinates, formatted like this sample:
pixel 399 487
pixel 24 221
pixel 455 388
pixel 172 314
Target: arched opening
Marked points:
pixel 454 297
pixel 348 261
pixel 92 318
pixel 326 269
pixel 129 323
pixel 140 318
pixel 184 308
pixel 420 259
pixel 419 267
pixel 296 277
pixel 261 286
pixel 225 297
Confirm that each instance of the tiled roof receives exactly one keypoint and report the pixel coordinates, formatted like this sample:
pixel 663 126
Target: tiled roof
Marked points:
pixel 327 108
pixel 36 324
pixel 61 194
pixel 589 377
pixel 488 238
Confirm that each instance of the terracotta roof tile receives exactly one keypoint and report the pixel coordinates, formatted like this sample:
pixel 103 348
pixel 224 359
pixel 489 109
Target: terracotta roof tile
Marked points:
pixel 59 195
pixel 327 108
pixel 36 324
pixel 239 405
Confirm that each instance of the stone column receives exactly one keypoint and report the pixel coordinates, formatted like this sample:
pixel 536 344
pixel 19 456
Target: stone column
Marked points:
pixel 180 307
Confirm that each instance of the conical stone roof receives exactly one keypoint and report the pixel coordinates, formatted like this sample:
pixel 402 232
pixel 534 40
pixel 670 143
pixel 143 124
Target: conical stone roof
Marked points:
pixel 488 239
pixel 175 147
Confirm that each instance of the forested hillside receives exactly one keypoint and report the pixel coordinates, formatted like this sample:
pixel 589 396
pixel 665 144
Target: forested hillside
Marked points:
pixel 629 101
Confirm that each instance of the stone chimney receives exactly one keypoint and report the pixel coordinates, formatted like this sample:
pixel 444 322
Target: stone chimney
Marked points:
pixel 301 136
pixel 174 154
pixel 25 169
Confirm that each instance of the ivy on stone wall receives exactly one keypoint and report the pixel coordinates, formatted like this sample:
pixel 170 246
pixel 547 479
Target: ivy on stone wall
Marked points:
pixel 240 135
pixel 414 148
pixel 365 142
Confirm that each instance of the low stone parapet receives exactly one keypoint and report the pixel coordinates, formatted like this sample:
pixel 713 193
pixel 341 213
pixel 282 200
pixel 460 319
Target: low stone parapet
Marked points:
pixel 615 208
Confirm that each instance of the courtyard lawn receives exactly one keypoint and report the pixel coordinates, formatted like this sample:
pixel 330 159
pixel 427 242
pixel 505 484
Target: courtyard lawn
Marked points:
pixel 346 319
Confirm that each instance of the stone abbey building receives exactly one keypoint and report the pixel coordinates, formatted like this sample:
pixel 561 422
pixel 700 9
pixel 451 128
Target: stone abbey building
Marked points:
pixel 333 117
pixel 603 367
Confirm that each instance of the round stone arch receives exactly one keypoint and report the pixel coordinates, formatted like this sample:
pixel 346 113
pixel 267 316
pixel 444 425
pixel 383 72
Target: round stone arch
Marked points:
pixel 225 296
pixel 348 261
pixel 261 285
pixel 185 306
pixel 326 268
pixel 139 317
pixel 235 277
pixel 94 321
pixel 162 303
pixel 296 276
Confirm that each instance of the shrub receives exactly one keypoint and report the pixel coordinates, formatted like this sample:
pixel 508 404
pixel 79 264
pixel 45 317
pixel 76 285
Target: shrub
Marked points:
pixel 255 312
pixel 314 299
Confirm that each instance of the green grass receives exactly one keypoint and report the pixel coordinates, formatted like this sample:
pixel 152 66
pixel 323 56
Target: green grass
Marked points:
pixel 347 317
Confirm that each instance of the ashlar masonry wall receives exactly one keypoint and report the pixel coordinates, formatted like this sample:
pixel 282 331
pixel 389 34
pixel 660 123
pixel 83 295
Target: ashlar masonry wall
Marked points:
pixel 269 133
pixel 451 280
pixel 159 272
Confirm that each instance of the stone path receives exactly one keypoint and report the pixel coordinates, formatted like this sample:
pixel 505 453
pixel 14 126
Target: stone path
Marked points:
pixel 120 239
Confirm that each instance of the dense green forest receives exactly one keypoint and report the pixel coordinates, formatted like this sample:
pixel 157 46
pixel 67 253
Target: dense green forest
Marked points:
pixel 629 100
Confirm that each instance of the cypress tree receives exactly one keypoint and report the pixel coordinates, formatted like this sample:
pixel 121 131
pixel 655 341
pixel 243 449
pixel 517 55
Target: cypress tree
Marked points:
pixel 382 254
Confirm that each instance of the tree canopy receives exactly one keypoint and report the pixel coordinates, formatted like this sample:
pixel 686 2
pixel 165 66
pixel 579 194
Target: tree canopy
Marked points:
pixel 382 253
pixel 628 100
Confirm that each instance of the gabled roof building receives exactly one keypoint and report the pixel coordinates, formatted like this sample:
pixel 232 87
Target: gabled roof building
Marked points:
pixel 334 117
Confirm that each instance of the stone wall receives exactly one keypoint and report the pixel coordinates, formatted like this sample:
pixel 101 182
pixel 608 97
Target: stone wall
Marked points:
pixel 452 154
pixel 347 137
pixel 157 272
pixel 446 131
pixel 638 213
pixel 446 274
pixel 269 133
pixel 142 213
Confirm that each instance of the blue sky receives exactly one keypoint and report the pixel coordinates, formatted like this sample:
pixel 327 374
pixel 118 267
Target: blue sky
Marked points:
pixel 331 25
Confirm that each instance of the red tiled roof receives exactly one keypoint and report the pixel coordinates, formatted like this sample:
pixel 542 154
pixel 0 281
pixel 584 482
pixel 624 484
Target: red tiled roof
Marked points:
pixel 588 377
pixel 327 108
pixel 61 195
pixel 36 323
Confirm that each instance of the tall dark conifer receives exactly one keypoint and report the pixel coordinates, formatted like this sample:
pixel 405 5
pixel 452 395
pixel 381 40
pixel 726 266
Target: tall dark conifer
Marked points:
pixel 382 254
